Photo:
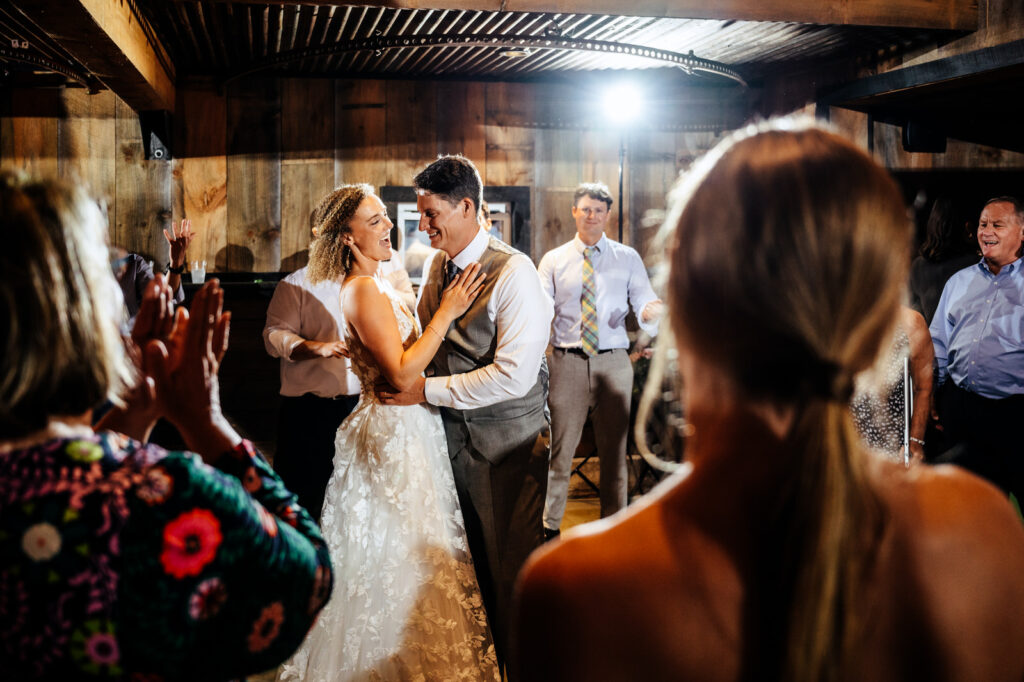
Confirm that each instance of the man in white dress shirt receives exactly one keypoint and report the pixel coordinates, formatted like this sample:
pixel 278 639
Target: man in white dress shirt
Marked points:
pixel 593 282
pixel 486 380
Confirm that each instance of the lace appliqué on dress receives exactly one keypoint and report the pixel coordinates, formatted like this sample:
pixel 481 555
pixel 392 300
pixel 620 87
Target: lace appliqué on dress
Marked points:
pixel 406 605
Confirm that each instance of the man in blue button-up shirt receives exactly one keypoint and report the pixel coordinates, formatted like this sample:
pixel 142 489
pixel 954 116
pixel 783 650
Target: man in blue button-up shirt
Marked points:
pixel 978 332
pixel 595 381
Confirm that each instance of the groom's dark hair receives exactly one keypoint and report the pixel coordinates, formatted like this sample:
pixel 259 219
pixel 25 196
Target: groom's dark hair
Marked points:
pixel 453 178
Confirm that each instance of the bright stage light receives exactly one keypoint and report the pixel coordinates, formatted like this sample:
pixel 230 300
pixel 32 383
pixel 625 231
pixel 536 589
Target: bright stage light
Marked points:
pixel 623 103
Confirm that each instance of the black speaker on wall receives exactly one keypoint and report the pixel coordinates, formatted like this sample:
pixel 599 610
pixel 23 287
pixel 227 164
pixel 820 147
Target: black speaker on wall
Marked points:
pixel 921 137
pixel 156 134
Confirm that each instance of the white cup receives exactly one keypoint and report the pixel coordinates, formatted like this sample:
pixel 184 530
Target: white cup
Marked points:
pixel 198 271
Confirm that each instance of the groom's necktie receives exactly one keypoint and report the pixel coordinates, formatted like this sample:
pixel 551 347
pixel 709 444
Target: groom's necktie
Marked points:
pixel 588 304
pixel 451 269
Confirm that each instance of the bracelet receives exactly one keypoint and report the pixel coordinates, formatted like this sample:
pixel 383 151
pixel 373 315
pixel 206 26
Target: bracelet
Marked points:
pixel 439 334
pixel 176 271
pixel 917 440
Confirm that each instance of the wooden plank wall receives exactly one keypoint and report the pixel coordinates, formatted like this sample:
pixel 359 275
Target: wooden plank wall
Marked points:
pixel 888 147
pixel 250 164
pixel 95 139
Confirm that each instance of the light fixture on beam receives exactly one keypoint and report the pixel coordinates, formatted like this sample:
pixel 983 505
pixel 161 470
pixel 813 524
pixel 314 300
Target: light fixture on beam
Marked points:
pixel 689 64
pixel 515 52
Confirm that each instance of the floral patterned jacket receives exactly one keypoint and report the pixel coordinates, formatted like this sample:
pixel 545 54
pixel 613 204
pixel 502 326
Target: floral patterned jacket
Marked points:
pixel 121 560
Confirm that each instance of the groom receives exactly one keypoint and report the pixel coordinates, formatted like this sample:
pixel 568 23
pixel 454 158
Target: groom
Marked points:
pixel 485 380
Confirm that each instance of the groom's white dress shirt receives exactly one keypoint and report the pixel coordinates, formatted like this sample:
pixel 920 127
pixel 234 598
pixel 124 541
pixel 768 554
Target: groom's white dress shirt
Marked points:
pixel 521 313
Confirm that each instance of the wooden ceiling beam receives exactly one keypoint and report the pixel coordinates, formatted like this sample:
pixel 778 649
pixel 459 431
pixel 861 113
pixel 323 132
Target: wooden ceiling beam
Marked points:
pixel 960 15
pixel 106 36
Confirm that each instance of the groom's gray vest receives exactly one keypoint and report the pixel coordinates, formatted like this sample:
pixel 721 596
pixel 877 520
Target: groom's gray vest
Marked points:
pixel 498 429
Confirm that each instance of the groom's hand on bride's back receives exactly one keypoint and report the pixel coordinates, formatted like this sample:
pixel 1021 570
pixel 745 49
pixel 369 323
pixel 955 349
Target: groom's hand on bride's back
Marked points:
pixel 389 395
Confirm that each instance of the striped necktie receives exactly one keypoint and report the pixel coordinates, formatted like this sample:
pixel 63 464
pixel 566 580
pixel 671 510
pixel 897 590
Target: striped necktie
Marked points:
pixel 588 304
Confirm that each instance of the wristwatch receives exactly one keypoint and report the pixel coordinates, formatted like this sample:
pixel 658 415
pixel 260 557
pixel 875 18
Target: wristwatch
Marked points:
pixel 176 271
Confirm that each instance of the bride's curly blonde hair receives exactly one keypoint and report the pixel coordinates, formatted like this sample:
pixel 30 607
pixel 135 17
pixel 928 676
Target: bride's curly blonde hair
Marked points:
pixel 329 257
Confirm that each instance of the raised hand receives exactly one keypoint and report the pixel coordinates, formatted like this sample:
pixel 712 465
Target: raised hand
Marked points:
pixel 462 291
pixel 179 241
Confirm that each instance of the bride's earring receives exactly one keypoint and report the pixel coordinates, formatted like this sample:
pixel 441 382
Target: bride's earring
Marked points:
pixel 346 254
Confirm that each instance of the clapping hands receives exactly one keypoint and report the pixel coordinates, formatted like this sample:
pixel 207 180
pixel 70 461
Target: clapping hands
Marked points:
pixel 184 368
pixel 178 356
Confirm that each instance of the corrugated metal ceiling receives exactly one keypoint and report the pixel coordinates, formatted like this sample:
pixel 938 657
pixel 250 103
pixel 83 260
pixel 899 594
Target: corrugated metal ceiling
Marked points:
pixel 220 39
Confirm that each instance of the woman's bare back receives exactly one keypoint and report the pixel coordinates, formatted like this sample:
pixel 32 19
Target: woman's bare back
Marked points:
pixel 671 588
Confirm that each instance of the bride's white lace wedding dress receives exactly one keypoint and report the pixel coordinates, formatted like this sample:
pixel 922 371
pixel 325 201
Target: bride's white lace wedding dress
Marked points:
pixel 406 605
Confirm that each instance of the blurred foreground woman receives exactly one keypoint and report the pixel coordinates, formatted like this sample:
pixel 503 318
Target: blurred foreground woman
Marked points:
pixel 783 549
pixel 118 559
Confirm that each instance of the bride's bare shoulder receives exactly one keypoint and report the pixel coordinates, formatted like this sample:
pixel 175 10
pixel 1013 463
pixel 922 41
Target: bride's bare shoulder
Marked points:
pixel 361 291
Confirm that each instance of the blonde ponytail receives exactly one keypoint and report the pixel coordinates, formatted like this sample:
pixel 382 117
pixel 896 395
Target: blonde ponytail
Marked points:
pixel 788 249
pixel 835 516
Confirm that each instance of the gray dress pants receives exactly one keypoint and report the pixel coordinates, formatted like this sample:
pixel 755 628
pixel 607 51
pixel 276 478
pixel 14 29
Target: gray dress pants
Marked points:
pixel 601 386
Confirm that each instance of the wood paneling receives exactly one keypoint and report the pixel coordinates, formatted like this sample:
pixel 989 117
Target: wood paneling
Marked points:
pixel 251 163
pixel 460 122
pixel 557 175
pixel 509 140
pixel 360 140
pixel 254 177
pixel 652 172
pixel 143 198
pixel 853 124
pixel 201 174
pixel 29 131
pixel 307 162
pixel 958 156
pixel 87 142
pixel 411 135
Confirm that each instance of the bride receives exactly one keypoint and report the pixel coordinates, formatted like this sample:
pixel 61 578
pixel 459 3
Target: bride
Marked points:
pixel 406 605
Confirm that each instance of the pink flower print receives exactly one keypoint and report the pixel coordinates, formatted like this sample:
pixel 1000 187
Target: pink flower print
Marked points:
pixel 252 481
pixel 84 451
pixel 267 627
pixel 207 600
pixel 190 543
pixel 102 649
pixel 156 486
pixel 41 542
pixel 94 647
